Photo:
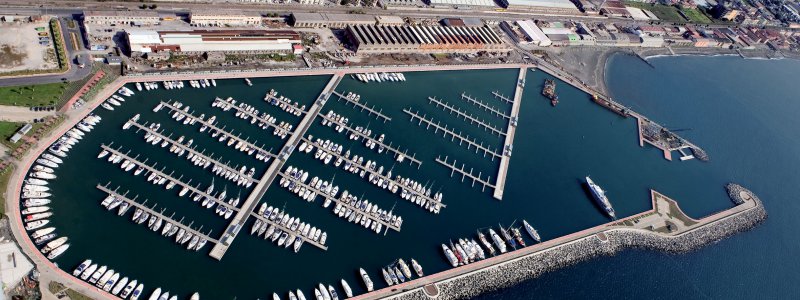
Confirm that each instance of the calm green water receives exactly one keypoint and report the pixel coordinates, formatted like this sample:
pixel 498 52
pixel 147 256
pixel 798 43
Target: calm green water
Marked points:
pixel 554 149
pixel 744 113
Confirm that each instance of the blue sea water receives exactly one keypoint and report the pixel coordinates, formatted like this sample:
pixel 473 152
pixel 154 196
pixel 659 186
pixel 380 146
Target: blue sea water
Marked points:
pixel 744 113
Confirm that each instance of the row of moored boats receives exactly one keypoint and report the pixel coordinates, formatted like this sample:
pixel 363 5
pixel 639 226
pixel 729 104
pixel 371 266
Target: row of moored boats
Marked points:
pixel 116 100
pixel 467 250
pixel 284 103
pixel 246 112
pixel 398 271
pixel 285 230
pixel 380 77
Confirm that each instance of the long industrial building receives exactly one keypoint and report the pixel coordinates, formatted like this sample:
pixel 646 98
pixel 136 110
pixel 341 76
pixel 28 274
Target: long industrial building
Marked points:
pixel 199 41
pixel 549 7
pixel 424 39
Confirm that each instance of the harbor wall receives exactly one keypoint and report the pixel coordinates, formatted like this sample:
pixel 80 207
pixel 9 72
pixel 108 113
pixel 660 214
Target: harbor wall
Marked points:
pixel 512 272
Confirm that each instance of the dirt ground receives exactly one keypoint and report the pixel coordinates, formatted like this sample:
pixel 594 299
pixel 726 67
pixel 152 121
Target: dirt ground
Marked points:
pixel 20 49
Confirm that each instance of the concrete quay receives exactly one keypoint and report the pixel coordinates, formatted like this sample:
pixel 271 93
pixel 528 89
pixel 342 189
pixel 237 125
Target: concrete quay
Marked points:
pixel 505 161
pixel 637 231
pixel 274 169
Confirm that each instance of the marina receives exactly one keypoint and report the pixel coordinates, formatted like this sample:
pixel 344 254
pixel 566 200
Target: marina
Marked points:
pixel 363 106
pixel 467 117
pixel 371 140
pixel 484 106
pixel 471 142
pixel 226 104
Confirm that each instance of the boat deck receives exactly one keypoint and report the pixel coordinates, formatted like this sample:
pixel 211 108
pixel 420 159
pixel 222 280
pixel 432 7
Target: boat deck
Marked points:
pixel 363 107
pixel 389 148
pixel 169 177
pixel 152 211
pixel 471 142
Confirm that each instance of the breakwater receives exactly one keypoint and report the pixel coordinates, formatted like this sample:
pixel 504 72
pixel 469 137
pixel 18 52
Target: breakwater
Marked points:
pixel 608 241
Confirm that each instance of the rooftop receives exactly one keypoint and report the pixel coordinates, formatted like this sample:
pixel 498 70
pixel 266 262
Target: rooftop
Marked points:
pixel 543 3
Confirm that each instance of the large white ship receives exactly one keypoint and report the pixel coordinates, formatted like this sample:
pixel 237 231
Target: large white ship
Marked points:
pixel 600 197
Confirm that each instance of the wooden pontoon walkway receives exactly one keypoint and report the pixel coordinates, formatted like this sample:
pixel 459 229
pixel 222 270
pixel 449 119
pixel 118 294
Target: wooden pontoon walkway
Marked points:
pixel 497 95
pixel 466 116
pixel 153 212
pixel 389 148
pixel 471 142
pixel 169 177
pixel 364 107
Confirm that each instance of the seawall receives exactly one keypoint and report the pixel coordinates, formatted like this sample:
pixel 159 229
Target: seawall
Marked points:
pixel 605 243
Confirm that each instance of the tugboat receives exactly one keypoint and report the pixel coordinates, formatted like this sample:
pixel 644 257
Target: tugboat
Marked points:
pixel 549 91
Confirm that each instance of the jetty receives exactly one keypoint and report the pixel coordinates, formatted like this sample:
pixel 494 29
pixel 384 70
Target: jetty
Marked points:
pixel 275 98
pixel 497 95
pixel 190 150
pixel 464 174
pixel 229 134
pixel 327 196
pixel 153 212
pixel 169 177
pixel 370 110
pixel 471 142
pixel 389 148
pixel 266 180
pixel 375 173
pixel 484 106
pixel 247 113
pixel 466 116
pixel 505 161
pixel 287 229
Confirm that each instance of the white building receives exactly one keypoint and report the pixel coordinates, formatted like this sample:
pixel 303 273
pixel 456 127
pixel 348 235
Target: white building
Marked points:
pixel 224 19
pixel 535 35
pixel 199 41
pixel 461 3
pixel 550 7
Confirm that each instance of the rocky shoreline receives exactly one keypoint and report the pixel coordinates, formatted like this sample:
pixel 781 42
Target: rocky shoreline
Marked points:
pixel 512 272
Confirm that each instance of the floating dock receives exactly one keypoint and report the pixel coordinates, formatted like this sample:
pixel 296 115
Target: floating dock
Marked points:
pixel 505 161
pixel 379 175
pixel 464 174
pixel 466 116
pixel 497 95
pixel 389 148
pixel 220 130
pixel 153 212
pixel 326 196
pixel 471 142
pixel 274 169
pixel 484 106
pixel 201 154
pixel 178 182
pixel 370 110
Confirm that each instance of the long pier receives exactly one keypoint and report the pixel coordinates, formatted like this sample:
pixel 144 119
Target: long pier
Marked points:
pixel 370 110
pixel 327 196
pixel 389 148
pixel 467 117
pixel 274 169
pixel 229 134
pixel 178 182
pixel 470 141
pixel 379 175
pixel 485 107
pixel 497 95
pixel 153 212
pixel 196 153
pixel 243 111
pixel 505 161
pixel 464 174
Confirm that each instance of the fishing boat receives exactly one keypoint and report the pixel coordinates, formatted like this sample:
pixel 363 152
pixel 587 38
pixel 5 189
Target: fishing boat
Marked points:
pixel 531 231
pixel 600 197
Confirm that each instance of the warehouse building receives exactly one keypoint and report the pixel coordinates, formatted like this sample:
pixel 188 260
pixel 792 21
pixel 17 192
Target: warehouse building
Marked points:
pixel 424 39
pixel 463 3
pixel 218 19
pixel 200 41
pixel 550 7
pixel 121 17
pixel 321 20
pixel 526 32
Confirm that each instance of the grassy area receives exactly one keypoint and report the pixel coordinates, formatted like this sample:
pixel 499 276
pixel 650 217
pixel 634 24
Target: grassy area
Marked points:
pixel 663 12
pixel 32 95
pixel 7 129
pixel 77 296
pixel 696 16
pixel 61 51
pixel 56 287
pixel 5 176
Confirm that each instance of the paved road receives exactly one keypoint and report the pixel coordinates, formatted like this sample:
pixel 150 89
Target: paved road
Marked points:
pixel 74 73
